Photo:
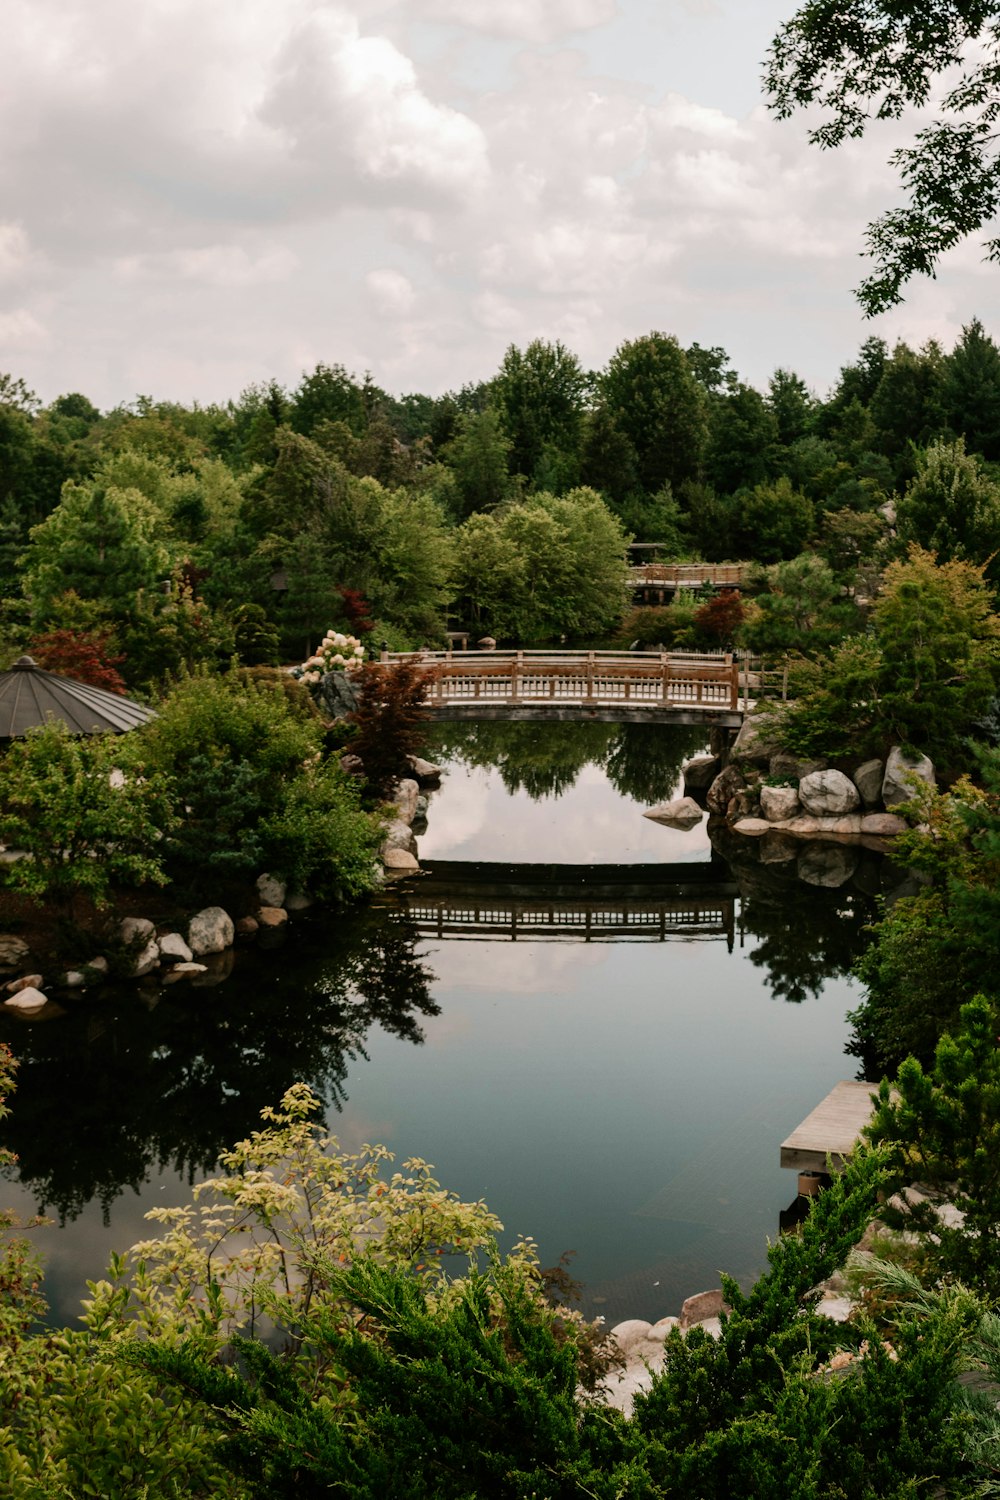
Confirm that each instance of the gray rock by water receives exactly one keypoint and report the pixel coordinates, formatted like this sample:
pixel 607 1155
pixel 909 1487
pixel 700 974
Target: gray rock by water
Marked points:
pixel 701 772
pixel 868 779
pixel 338 694
pixel 400 862
pixel 135 930
pixel 426 773
pixel 13 950
pixel 792 767
pixel 210 931
pixel 884 825
pixel 682 813
pixel 27 1000
pixel 724 788
pixel 270 890
pixel 778 803
pixel 172 945
pixel 399 835
pixel 756 742
pixel 405 797
pixel 898 784
pixel 828 794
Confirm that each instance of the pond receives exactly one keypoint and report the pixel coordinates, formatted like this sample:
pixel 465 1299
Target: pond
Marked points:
pixel 602 1026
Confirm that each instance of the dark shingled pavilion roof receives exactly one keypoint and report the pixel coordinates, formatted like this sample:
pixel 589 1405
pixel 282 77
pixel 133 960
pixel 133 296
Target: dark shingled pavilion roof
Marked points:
pixel 30 697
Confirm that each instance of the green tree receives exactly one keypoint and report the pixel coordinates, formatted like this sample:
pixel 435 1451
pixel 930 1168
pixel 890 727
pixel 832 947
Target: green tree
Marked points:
pixel 539 393
pixel 741 437
pixel 101 542
pixel 328 394
pixel 799 608
pixel 659 405
pixel 972 390
pixel 951 507
pixel 770 522
pixel 908 406
pixel 478 456
pixel 86 812
pixel 792 406
pixel 544 567
pixel 876 61
pixel 943 1128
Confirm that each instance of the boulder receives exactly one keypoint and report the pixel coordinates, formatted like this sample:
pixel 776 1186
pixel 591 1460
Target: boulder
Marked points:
pixel 745 804
pixel 827 865
pixel 245 927
pixel 701 772
pixel 405 798
pixel 73 979
pixel 828 794
pixel 779 803
pixel 97 965
pixel 630 1333
pixel 792 768
pixel 755 827
pixel 270 890
pixel 806 826
pixel 27 1000
pixel 724 788
pixel 172 945
pixel 272 916
pixel 682 813
pixel 146 960
pixel 868 779
pixel 210 931
pixel 298 901
pixel 885 825
pixel 183 971
pixel 426 773
pixel 217 967
pixel 756 742
pixel 399 835
pixel 136 930
pixel 338 693
pixel 701 1306
pixel 13 950
pixel 902 773
pixel 400 862
pixel 26 982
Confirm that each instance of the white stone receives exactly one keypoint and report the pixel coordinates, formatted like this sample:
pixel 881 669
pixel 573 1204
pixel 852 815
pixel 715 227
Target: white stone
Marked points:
pixel 27 1000
pixel 135 930
pixel 210 931
pixel 902 776
pixel 147 959
pixel 271 890
pixel 98 965
pixel 400 860
pixel 885 825
pixel 172 945
pixel 26 982
pixel 423 770
pixel 828 794
pixel 753 826
pixel 633 1331
pixel 778 803
pixel 684 812
pixel 868 779
pixel 399 835
pixel 837 1309
pixel 183 971
pixel 405 799
pixel 72 979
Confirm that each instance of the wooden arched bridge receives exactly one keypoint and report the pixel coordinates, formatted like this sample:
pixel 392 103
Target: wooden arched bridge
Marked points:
pixel 576 903
pixel 658 582
pixel 619 687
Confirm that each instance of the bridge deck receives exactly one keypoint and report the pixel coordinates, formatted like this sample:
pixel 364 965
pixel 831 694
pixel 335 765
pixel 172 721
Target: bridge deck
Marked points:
pixel 645 687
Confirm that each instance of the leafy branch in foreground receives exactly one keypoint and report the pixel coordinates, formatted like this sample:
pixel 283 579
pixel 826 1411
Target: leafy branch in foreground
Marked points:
pixel 875 59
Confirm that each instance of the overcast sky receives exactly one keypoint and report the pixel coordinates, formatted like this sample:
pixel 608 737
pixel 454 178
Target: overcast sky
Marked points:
pixel 200 194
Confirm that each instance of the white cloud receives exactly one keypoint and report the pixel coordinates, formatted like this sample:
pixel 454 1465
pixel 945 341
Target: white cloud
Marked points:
pixel 20 331
pixel 392 292
pixel 523 20
pixel 213 265
pixel 13 250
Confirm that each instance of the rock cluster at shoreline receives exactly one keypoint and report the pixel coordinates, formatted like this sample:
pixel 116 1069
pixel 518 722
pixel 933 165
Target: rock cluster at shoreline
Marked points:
pixel 409 799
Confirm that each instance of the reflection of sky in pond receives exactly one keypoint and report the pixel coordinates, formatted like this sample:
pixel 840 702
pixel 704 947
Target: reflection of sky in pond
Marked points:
pixel 625 1100
pixel 589 824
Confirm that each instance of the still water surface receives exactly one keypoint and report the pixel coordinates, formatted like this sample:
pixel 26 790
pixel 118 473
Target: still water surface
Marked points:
pixel 624 1099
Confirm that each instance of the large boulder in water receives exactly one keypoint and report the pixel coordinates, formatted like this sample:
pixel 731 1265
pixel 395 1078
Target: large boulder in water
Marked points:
pixel 868 779
pixel 683 813
pixel 756 742
pixel 210 931
pixel 828 794
pixel 903 772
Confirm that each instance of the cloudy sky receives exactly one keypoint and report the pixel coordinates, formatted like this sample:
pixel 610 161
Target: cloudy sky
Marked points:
pixel 199 194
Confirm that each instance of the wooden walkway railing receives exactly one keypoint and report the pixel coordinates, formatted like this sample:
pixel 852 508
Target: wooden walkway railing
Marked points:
pixel 604 679
pixel 581 921
pixel 687 575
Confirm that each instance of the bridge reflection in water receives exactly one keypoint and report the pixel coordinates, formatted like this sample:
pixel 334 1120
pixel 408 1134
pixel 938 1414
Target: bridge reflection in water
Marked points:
pixel 576 903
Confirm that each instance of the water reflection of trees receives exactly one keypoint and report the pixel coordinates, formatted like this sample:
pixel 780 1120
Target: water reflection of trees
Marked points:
pixel 642 761
pixel 114 1089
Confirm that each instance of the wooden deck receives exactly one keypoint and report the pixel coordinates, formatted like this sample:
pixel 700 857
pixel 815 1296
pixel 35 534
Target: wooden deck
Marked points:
pixel 658 583
pixel 832 1130
pixel 639 686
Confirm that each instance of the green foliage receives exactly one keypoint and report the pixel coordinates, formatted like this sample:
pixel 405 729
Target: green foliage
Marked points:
pixel 539 393
pixel 657 403
pixel 770 522
pixel 943 1128
pixel 88 812
pixel 874 62
pixel 799 608
pixel 478 456
pixel 544 567
pixel 246 770
pixel 951 507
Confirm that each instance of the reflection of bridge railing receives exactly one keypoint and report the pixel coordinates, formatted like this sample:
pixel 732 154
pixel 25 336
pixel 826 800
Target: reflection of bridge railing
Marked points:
pixel 484 682
pixel 592 904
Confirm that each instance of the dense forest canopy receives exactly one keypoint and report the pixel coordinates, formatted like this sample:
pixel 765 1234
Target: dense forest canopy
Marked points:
pixel 174 533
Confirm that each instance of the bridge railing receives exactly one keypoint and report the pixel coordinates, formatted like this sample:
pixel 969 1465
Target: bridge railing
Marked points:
pixel 677 679
pixel 688 575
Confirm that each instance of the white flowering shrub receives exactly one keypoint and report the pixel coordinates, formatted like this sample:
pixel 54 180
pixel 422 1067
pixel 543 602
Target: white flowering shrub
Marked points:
pixel 337 653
